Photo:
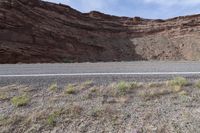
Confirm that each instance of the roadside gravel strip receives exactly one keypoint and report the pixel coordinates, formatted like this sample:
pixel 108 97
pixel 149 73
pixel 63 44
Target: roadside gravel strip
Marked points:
pixel 136 97
pixel 123 107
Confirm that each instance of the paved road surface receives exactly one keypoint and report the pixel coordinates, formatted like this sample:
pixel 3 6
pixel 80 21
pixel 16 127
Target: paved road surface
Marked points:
pixel 40 73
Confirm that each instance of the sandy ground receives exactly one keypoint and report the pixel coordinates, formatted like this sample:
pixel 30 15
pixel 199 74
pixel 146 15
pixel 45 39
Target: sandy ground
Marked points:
pixel 123 107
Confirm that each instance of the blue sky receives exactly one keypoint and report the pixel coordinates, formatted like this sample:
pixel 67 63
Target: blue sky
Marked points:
pixel 144 8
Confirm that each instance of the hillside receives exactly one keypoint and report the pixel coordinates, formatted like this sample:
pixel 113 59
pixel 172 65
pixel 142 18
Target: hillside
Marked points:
pixel 33 31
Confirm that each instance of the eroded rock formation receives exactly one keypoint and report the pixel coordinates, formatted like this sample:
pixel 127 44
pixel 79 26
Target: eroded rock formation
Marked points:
pixel 34 31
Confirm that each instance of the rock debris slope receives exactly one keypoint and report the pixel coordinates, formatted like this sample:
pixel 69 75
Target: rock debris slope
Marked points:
pixel 33 31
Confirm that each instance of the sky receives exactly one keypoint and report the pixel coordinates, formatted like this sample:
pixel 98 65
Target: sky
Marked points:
pixel 152 9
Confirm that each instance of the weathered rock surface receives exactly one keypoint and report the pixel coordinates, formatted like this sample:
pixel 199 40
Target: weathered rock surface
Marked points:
pixel 33 31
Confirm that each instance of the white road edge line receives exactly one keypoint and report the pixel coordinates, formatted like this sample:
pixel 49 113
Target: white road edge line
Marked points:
pixel 102 74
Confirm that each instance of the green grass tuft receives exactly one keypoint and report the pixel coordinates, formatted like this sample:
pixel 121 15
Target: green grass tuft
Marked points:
pixel 51 120
pixel 123 86
pixel 20 100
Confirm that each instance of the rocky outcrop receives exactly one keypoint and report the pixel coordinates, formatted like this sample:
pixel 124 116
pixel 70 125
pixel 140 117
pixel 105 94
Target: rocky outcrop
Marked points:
pixel 33 31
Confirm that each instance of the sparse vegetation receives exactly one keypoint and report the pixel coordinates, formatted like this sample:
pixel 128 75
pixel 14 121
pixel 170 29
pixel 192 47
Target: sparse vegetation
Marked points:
pixel 198 84
pixel 53 87
pixel 96 112
pixel 70 89
pixel 154 85
pixel 86 84
pixel 123 87
pixel 178 81
pixel 154 93
pixel 183 93
pixel 109 108
pixel 20 100
pixel 75 110
pixel 176 88
pixel 11 120
pixel 3 120
pixel 51 120
pixel 93 90
pixel 3 96
pixel 134 85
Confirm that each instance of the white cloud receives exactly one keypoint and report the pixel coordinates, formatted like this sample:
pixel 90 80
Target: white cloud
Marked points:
pixel 173 2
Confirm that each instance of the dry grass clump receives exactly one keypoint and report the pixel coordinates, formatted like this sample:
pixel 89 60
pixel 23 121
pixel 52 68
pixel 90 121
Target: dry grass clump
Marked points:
pixel 123 87
pixel 51 119
pixel 176 88
pixel 3 96
pixel 20 100
pixel 197 84
pixel 11 120
pixel 178 81
pixel 135 85
pixel 53 87
pixel 70 89
pixel 154 93
pixel 87 83
pixel 93 90
pixel 154 85
pixel 183 93
pixel 3 120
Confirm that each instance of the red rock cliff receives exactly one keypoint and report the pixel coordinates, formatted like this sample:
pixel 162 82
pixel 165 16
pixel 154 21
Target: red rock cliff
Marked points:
pixel 33 31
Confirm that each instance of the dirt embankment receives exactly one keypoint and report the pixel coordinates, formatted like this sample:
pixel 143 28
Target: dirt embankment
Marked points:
pixel 34 31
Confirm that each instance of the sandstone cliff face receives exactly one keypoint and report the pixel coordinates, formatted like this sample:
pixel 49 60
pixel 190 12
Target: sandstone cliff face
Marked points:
pixel 33 31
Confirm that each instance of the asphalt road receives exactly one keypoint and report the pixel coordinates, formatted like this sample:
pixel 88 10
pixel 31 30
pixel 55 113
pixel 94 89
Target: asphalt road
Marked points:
pixel 100 72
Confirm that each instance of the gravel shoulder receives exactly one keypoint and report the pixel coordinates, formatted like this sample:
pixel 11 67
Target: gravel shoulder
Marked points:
pixel 117 107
